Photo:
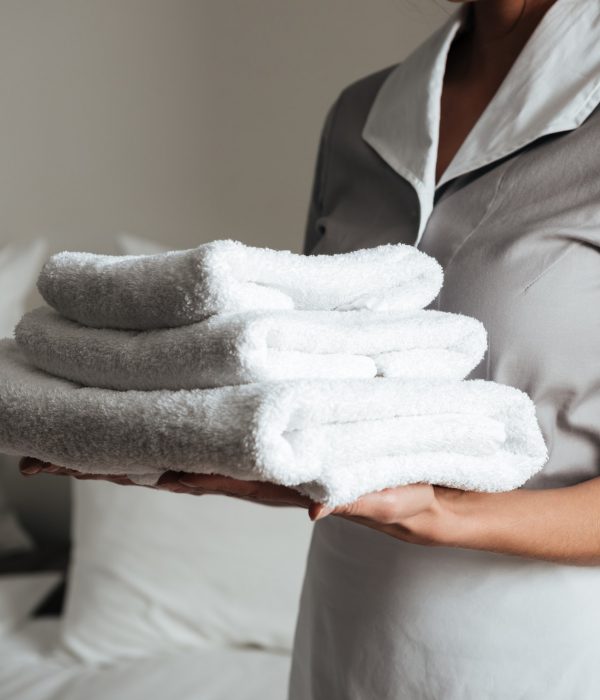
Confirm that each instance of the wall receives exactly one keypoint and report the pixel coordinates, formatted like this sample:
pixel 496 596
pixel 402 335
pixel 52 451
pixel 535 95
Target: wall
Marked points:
pixel 178 120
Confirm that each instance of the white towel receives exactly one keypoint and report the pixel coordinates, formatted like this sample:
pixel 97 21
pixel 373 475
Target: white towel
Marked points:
pixel 255 346
pixel 331 440
pixel 141 292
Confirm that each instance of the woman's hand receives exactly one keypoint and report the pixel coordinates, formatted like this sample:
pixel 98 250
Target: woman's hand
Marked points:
pixel 412 513
pixel 182 482
pixel 407 512
pixel 29 466
pixel 553 524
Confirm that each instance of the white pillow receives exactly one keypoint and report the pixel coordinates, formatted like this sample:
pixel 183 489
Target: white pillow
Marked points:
pixel 19 268
pixel 152 571
pixel 20 594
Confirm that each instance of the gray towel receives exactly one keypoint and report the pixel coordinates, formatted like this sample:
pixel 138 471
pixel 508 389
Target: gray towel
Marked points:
pixel 141 292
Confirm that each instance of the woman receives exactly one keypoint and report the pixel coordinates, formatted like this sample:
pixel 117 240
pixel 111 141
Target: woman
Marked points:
pixel 483 148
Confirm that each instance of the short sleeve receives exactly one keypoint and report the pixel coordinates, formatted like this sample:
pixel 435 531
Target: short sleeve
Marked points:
pixel 315 206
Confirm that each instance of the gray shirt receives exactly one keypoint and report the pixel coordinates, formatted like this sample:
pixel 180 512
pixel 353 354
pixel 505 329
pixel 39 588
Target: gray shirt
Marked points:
pixel 516 227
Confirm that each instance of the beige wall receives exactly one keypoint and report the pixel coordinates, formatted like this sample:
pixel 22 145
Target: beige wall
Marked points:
pixel 178 120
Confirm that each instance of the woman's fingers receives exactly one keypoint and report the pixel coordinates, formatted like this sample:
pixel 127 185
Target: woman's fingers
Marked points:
pixel 29 466
pixel 182 482
pixel 385 507
pixel 261 491
pixel 169 481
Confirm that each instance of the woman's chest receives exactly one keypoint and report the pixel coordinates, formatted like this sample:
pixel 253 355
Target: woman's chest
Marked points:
pixel 520 248
pixel 519 242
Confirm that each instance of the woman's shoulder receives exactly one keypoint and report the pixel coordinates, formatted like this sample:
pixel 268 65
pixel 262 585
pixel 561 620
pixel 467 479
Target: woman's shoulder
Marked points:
pixel 366 87
pixel 348 111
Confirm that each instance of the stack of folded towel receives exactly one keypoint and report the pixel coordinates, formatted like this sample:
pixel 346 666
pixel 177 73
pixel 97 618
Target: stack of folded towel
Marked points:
pixel 324 373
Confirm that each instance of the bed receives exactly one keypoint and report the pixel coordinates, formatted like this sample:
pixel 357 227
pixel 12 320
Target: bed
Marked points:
pixel 31 669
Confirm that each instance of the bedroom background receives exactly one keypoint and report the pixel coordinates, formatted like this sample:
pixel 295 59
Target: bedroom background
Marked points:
pixel 130 124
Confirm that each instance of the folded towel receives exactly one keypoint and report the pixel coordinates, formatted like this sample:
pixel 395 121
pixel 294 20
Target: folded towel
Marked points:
pixel 141 292
pixel 255 346
pixel 331 440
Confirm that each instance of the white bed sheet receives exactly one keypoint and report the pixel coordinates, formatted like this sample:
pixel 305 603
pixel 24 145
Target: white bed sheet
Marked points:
pixel 30 670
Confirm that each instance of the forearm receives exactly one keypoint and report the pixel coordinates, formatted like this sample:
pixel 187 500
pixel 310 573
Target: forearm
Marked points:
pixel 560 524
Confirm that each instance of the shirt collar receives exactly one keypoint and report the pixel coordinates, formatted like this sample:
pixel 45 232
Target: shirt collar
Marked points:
pixel 553 86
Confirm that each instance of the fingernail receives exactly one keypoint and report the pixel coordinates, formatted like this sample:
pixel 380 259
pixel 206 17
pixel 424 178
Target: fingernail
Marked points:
pixel 322 512
pixel 31 470
pixel 187 485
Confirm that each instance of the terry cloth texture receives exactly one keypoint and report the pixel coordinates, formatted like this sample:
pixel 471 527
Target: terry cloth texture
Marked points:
pixel 333 440
pixel 255 346
pixel 141 292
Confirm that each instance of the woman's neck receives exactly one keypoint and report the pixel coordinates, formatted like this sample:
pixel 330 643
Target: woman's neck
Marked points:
pixel 499 29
